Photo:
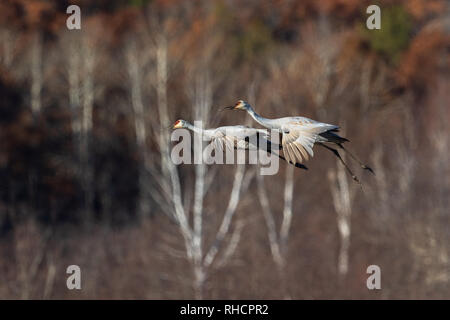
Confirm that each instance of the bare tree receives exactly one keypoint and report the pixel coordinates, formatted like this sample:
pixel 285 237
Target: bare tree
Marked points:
pixel 80 49
pixel 278 239
pixel 430 235
pixel 167 191
pixel 29 252
pixel 7 44
pixel 318 59
pixel 73 75
pixel 135 64
pixel 87 91
pixel 194 234
pixel 342 199
pixel 36 73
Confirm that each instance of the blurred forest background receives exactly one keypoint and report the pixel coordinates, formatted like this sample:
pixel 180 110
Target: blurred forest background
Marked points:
pixel 85 137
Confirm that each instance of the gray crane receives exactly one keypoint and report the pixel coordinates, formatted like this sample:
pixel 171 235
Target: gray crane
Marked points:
pixel 299 134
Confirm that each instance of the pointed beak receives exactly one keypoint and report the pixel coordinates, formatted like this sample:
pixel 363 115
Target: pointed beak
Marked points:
pixel 229 108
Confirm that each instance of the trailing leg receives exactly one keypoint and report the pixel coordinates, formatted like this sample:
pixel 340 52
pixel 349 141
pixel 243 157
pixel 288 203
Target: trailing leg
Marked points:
pixel 365 167
pixel 336 153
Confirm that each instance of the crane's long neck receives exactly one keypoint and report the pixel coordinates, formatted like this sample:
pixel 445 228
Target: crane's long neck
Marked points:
pixel 268 123
pixel 194 128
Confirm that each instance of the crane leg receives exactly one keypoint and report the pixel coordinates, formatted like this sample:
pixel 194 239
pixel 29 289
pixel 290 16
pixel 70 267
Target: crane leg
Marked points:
pixel 336 153
pixel 365 167
pixel 298 165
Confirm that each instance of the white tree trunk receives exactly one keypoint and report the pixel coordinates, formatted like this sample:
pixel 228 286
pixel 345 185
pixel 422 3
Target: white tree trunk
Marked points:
pixel 287 211
pixel 7 42
pixel 87 91
pixel 74 65
pixel 270 223
pixel 342 198
pixel 36 74
pixel 278 240
pixel 140 126
pixel 193 235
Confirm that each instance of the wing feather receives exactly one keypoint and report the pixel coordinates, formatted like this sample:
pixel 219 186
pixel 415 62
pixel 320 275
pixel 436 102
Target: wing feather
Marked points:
pixel 299 144
pixel 298 148
pixel 238 137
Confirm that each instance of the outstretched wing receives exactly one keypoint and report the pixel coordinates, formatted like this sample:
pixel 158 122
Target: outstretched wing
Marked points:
pixel 298 139
pixel 240 137
pixel 297 145
pixel 237 137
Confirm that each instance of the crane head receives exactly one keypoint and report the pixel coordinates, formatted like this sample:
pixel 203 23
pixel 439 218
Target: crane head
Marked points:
pixel 240 105
pixel 178 124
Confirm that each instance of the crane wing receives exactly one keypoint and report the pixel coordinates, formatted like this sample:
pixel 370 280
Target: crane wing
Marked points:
pixel 297 145
pixel 240 137
pixel 298 139
pixel 237 137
